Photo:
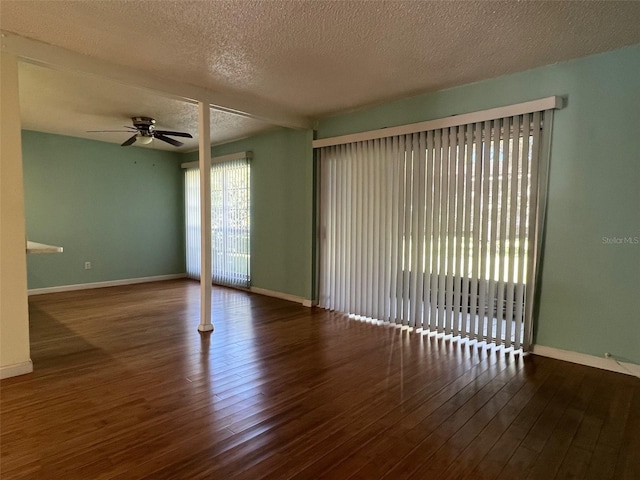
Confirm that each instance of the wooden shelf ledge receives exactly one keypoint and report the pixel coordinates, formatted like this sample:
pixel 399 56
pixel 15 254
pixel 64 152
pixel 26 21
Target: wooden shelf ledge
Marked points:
pixel 35 247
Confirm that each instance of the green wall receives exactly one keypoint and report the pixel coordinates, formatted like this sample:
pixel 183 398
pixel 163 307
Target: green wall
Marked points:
pixel 590 292
pixel 119 208
pixel 281 204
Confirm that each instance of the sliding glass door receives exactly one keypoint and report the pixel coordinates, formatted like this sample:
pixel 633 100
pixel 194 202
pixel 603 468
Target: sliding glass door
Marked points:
pixel 435 229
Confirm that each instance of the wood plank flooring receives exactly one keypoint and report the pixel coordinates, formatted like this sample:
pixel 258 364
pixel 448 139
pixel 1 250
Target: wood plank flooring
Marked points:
pixel 126 388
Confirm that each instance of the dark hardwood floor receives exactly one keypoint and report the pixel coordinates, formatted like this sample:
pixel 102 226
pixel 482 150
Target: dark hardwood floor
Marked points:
pixel 125 387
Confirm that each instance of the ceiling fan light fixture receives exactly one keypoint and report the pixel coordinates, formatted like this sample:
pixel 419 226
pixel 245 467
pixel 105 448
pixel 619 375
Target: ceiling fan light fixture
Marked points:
pixel 144 140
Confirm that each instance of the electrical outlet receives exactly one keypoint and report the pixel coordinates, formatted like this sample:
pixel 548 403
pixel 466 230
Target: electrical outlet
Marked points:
pixel 87 265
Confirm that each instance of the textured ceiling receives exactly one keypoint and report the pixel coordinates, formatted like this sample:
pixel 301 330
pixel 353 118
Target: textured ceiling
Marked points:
pixel 314 58
pixel 69 103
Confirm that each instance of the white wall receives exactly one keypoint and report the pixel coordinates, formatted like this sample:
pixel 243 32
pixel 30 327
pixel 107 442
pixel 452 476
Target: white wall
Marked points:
pixel 14 313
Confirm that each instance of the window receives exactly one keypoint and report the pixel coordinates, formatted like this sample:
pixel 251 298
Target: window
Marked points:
pixel 230 222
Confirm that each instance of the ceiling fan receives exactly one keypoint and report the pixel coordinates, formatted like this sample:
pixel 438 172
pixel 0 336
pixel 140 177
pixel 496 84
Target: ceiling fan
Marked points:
pixel 145 131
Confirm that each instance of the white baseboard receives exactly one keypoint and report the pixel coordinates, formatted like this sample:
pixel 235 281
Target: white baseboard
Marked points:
pixel 112 283
pixel 16 369
pixel 589 360
pixel 130 281
pixel 284 296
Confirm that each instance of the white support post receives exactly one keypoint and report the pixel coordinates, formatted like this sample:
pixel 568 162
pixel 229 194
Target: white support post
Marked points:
pixel 205 217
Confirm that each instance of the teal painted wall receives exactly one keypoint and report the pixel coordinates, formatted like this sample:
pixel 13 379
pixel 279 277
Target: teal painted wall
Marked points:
pixel 282 207
pixel 119 208
pixel 590 292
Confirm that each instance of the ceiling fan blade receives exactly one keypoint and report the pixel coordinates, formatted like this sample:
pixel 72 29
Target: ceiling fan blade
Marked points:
pixel 100 131
pixel 130 141
pixel 174 134
pixel 173 142
pixel 130 128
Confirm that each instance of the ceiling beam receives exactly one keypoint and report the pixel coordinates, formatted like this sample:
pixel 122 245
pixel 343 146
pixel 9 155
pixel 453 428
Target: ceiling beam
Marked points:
pixel 51 56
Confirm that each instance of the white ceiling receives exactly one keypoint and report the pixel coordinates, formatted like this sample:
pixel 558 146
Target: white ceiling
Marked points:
pixel 306 58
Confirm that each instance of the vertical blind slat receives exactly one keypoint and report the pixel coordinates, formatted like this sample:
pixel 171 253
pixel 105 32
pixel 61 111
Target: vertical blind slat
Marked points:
pixel 388 228
pixel 476 225
pixel 492 233
pixel 429 263
pixel 412 242
pixel 381 205
pixel 450 222
pixel 522 231
pixel 531 217
pixel 421 202
pixel 511 238
pixel 484 236
pixel 458 233
pixel 465 259
pixel 334 239
pixel 437 178
pixel 395 205
pixel 374 226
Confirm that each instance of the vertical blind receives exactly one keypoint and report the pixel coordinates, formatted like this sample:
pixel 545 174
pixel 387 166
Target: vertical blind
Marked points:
pixel 192 221
pixel 230 222
pixel 434 230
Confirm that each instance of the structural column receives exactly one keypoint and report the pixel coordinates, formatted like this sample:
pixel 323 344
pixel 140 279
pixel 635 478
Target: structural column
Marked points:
pixel 14 313
pixel 205 217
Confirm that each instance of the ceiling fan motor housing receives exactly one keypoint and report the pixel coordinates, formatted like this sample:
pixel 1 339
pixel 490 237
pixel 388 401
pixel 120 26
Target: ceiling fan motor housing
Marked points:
pixel 143 123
